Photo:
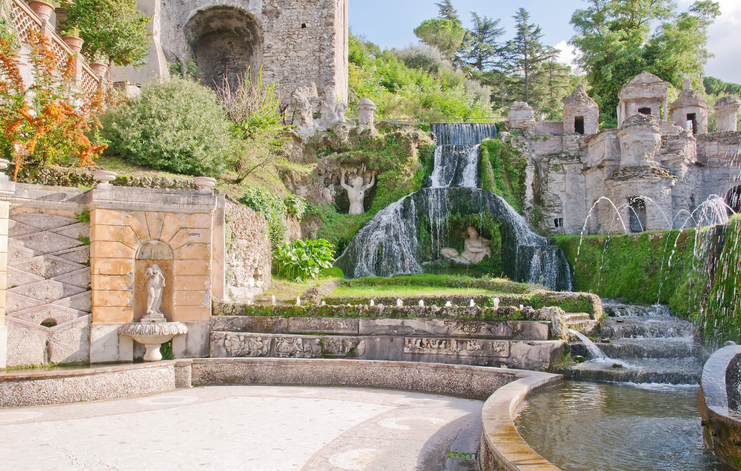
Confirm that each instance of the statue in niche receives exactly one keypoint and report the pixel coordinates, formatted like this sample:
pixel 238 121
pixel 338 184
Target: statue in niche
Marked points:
pixel 356 190
pixel 154 290
pixel 475 249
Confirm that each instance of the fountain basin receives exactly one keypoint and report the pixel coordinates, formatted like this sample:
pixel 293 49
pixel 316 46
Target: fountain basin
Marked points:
pixel 153 335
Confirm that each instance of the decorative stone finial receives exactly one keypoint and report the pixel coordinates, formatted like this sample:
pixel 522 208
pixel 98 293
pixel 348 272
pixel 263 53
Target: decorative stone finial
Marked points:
pixel 687 85
pixel 366 114
pixel 205 184
pixel 104 179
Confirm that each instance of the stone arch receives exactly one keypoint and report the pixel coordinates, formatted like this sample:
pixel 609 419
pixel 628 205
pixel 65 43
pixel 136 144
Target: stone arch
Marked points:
pixel 225 43
pixel 149 253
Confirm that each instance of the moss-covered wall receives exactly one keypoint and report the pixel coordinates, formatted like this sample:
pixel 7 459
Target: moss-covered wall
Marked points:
pixel 697 272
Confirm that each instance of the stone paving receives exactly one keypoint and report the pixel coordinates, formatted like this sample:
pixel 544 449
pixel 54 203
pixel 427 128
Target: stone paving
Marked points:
pixel 245 428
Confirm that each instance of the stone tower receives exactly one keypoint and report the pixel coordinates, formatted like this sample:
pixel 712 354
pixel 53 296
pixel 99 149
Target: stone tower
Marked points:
pixel 690 111
pixel 726 110
pixel 297 43
pixel 580 113
pixel 643 95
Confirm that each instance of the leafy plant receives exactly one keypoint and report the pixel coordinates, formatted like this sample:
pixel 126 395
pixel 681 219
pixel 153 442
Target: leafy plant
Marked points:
pixel 272 207
pixel 175 125
pixel 295 206
pixel 300 260
pixel 73 31
pixel 40 125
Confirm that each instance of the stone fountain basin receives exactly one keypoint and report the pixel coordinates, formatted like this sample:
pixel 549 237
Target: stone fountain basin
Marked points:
pixel 153 335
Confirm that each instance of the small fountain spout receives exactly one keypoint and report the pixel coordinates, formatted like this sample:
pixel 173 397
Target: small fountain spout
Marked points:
pixel 593 349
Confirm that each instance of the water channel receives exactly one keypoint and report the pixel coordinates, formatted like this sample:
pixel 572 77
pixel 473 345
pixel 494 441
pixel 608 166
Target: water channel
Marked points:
pixel 617 427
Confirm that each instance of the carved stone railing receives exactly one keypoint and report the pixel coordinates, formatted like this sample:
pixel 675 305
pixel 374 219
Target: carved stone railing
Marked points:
pixel 25 21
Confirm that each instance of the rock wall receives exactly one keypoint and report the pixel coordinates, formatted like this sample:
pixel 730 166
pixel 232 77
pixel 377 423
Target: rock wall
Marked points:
pixel 248 254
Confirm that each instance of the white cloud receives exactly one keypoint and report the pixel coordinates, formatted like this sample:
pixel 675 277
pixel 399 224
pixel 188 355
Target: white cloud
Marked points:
pixel 567 55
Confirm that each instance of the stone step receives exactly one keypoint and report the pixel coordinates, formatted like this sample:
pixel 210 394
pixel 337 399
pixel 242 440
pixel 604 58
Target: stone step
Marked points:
pixel 576 317
pixel 589 328
pixel 642 348
pixel 651 370
pixel 646 327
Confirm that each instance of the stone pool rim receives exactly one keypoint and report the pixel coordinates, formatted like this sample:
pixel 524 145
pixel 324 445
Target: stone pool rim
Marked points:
pixel 502 447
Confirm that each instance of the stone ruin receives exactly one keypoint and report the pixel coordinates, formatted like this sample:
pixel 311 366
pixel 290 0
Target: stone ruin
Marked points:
pixel 648 174
pixel 296 44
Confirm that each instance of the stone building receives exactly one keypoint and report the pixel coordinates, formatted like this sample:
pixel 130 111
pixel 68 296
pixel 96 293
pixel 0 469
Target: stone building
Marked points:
pixel 648 174
pixel 298 43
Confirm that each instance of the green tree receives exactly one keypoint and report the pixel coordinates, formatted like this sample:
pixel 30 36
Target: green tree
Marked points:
pixel 447 12
pixel 614 41
pixel 527 51
pixel 557 84
pixel 445 35
pixel 714 86
pixel 112 29
pixel 483 42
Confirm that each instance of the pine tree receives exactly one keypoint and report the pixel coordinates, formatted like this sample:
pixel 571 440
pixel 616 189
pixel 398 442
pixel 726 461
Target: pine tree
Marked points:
pixel 527 51
pixel 447 12
pixel 482 42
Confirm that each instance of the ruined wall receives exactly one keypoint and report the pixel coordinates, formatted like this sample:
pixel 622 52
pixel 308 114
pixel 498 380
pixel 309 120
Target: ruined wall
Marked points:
pixel 298 43
pixel 248 255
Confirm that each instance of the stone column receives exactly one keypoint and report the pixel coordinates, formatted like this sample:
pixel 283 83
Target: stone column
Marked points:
pixel 7 189
pixel 366 114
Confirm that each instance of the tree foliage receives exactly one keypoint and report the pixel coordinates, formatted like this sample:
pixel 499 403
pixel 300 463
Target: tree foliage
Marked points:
pixel 114 30
pixel 48 122
pixel 483 42
pixel 445 35
pixel 615 42
pixel 528 52
pixel 448 12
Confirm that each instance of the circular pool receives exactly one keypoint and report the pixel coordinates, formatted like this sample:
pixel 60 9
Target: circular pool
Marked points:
pixel 616 427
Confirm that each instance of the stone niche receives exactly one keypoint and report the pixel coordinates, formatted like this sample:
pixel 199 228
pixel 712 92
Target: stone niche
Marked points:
pixel 151 253
pixel 226 43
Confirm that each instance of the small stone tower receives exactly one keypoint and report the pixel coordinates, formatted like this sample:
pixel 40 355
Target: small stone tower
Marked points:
pixel 580 113
pixel 726 110
pixel 520 116
pixel 643 95
pixel 690 111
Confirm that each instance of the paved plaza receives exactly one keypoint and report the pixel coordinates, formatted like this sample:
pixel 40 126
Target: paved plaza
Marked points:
pixel 251 428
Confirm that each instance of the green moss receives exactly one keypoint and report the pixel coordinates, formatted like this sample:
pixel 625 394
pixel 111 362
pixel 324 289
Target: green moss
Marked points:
pixel 503 171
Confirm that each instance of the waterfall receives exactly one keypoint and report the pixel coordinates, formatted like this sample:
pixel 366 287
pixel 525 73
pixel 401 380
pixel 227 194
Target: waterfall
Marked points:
pixel 390 245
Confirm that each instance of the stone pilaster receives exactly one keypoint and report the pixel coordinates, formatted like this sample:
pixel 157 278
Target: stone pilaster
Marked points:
pixel 7 188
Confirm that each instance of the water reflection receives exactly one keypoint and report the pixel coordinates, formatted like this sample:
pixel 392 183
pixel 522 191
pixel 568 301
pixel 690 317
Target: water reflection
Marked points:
pixel 607 427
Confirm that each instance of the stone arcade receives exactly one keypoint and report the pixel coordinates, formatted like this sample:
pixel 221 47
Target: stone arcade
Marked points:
pixel 649 174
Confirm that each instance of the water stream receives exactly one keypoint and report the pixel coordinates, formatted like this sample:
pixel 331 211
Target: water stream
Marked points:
pixel 390 244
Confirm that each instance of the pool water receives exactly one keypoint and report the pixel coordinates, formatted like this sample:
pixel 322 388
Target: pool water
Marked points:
pixel 617 427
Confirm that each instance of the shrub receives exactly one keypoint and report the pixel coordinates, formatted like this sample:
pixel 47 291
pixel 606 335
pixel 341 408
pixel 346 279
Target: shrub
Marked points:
pixel 175 125
pixel 272 207
pixel 295 206
pixel 300 260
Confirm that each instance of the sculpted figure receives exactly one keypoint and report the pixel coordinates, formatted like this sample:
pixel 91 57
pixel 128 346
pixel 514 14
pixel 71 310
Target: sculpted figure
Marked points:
pixel 475 249
pixel 154 290
pixel 356 191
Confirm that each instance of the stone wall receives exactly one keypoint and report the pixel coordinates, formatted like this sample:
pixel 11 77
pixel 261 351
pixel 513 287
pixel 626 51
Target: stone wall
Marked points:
pixel 298 43
pixel 248 253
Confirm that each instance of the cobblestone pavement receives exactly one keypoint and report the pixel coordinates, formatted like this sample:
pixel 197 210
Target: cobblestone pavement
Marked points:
pixel 251 428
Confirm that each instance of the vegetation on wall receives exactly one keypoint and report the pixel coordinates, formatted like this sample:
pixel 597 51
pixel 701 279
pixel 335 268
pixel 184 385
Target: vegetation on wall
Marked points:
pixel 302 260
pixel 694 271
pixel 503 172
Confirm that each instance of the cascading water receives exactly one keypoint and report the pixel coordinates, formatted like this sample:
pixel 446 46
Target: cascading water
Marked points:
pixel 389 244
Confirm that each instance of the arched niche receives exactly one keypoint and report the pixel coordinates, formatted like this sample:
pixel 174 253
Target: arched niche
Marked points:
pixel 153 252
pixel 225 43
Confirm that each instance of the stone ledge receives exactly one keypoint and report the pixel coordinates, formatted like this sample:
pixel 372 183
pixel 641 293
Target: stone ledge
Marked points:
pixel 502 446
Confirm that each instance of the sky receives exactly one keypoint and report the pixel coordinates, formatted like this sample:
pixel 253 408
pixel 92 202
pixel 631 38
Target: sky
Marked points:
pixel 374 20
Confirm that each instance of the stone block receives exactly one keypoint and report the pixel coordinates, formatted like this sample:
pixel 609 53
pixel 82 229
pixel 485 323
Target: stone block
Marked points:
pixel 313 325
pixel 106 346
pixel 437 327
pixel 41 221
pixel 46 266
pixel 3 280
pixel 192 283
pixel 39 314
pixel 174 222
pixel 108 217
pixel 70 343
pixel 16 228
pixel 194 344
pixel 112 298
pixel 79 302
pixel 260 325
pixel 79 255
pixel 457 347
pixel 535 355
pixel 155 222
pixel 75 231
pixel 105 249
pixel 122 234
pixel 138 223
pixel 192 267
pixel 190 236
pixel 26 343
pixel 112 266
pixel 4 226
pixel 15 277
pixel 192 298
pixel 47 291
pixel 79 278
pixel 105 314
pixel 193 252
pixel 191 313
pixel 115 283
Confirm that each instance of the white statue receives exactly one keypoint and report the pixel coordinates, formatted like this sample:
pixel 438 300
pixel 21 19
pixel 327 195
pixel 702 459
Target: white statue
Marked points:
pixel 356 191
pixel 475 249
pixel 154 290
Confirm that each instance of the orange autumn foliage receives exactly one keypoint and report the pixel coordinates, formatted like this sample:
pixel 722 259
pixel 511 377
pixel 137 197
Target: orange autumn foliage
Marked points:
pixel 46 123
